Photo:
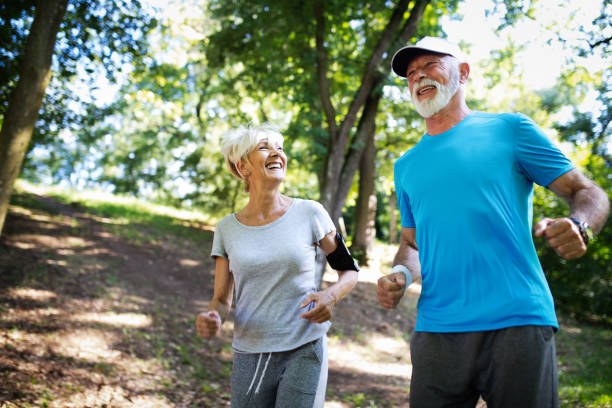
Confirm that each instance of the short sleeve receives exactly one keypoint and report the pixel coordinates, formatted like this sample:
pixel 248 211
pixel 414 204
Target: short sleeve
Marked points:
pixel 539 158
pixel 321 222
pixel 403 200
pixel 218 246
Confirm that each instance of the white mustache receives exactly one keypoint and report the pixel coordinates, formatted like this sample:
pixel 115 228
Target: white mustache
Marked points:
pixel 424 82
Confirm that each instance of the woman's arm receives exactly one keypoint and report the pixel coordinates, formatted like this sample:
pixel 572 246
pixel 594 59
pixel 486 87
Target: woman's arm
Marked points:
pixel 209 323
pixel 326 299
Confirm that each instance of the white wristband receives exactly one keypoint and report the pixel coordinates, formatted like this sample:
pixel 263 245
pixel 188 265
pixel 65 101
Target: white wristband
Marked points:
pixel 401 268
pixel 214 313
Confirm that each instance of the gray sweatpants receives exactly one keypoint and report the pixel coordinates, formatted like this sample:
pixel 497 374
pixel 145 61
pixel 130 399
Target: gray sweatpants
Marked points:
pixel 288 379
pixel 509 368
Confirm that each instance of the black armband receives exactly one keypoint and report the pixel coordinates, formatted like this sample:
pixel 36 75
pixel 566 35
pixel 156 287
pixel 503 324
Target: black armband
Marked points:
pixel 341 259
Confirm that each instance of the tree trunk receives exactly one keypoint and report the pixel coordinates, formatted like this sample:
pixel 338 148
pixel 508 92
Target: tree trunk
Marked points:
pixel 26 100
pixel 393 238
pixel 340 166
pixel 365 131
pixel 365 214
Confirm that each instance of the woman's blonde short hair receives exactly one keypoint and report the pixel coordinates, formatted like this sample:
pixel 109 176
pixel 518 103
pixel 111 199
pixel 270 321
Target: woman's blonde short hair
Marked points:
pixel 238 143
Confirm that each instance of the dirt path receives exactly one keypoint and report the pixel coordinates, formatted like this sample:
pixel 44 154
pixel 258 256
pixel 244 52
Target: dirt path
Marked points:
pixel 88 319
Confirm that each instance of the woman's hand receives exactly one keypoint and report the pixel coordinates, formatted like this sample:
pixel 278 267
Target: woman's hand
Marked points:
pixel 208 324
pixel 324 302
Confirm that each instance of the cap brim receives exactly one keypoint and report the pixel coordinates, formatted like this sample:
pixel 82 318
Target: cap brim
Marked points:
pixel 403 56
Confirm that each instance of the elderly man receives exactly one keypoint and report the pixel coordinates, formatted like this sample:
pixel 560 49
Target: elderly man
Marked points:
pixel 486 319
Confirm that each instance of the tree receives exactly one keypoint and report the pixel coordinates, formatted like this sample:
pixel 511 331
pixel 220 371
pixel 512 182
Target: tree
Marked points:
pixel 340 168
pixel 154 140
pixel 24 106
pixel 97 43
pixel 365 212
pixel 327 58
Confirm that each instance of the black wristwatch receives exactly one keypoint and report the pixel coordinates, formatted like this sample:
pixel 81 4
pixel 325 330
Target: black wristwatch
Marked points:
pixel 585 230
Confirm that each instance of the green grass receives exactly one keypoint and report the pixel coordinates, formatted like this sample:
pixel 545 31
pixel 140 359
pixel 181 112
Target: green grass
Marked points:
pixel 135 220
pixel 585 365
pixel 28 200
pixel 359 401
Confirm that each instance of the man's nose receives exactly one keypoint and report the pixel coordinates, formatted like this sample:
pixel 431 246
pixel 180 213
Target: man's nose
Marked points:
pixel 419 74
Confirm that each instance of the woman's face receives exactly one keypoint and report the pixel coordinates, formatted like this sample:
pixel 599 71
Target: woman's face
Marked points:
pixel 266 161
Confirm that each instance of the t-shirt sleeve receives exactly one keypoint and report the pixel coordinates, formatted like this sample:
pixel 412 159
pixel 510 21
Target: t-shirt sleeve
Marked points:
pixel 403 200
pixel 218 246
pixel 539 158
pixel 321 222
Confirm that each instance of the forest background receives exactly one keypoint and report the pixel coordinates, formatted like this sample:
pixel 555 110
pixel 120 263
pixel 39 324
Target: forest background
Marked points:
pixel 140 92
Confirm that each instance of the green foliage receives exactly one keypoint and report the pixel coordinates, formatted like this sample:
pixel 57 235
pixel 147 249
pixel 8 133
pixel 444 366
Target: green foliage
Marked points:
pixel 187 79
pixel 591 127
pixel 17 15
pixel 272 49
pixel 582 287
pixel 94 38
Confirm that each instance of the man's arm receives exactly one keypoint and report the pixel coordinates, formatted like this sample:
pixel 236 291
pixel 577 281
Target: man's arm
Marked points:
pixel 587 202
pixel 408 253
pixel 390 288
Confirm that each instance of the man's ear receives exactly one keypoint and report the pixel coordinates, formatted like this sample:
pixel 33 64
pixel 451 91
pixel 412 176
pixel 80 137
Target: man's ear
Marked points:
pixel 464 72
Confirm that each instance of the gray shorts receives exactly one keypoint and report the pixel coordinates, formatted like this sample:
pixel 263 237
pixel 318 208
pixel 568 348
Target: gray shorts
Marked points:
pixel 288 379
pixel 512 367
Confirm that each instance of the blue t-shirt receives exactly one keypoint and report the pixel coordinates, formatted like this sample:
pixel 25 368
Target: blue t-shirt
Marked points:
pixel 468 192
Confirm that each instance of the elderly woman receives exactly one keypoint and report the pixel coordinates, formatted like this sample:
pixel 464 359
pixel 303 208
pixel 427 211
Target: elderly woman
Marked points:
pixel 268 252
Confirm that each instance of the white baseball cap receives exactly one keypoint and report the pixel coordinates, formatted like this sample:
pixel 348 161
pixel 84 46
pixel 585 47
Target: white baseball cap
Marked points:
pixel 426 45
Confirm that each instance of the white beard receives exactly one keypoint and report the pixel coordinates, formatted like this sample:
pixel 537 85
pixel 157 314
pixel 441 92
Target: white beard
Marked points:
pixel 431 106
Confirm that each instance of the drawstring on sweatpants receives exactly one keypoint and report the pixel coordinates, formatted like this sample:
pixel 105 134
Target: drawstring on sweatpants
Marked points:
pixel 263 373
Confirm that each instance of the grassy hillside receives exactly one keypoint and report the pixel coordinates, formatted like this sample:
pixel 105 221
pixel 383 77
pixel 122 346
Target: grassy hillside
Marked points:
pixel 98 297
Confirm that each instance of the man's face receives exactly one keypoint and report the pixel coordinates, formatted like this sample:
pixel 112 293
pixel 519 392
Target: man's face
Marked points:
pixel 433 80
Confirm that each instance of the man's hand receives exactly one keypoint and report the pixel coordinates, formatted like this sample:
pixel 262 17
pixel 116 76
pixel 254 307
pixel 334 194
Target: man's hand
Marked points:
pixel 208 324
pixel 390 289
pixel 562 235
pixel 323 307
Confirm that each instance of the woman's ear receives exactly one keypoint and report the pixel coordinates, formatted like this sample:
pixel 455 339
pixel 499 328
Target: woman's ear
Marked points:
pixel 242 168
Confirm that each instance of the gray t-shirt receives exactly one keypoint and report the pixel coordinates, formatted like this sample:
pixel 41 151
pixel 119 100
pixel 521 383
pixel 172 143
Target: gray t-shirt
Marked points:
pixel 274 268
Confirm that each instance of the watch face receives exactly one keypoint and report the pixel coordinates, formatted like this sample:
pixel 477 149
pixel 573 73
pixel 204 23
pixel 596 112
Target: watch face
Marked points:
pixel 585 230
